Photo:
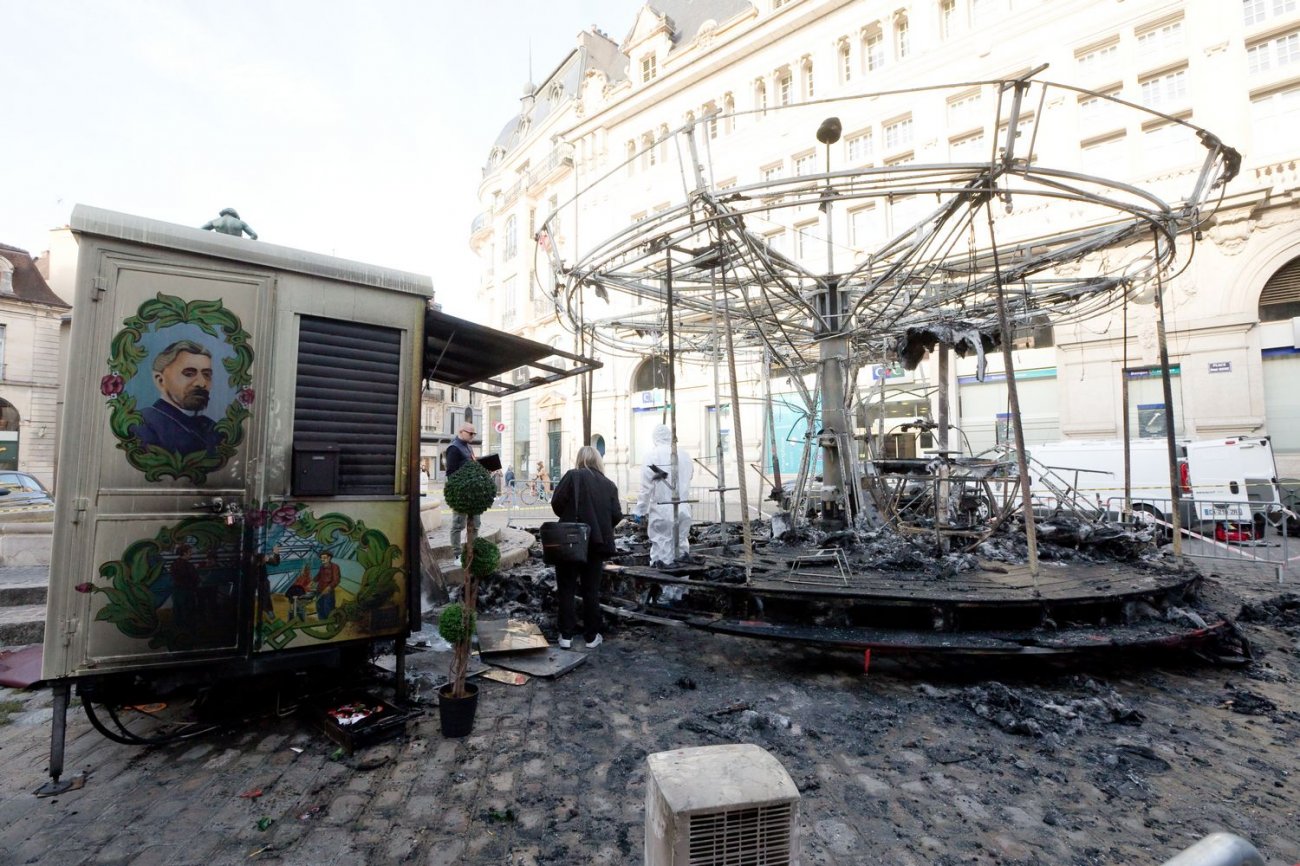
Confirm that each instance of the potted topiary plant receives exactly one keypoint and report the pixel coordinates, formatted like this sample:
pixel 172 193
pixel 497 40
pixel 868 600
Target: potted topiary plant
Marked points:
pixel 470 491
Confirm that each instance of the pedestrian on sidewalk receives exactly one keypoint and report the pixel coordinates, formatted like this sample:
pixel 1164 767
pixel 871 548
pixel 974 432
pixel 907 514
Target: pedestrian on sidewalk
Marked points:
pixel 542 480
pixel 585 495
pixel 460 452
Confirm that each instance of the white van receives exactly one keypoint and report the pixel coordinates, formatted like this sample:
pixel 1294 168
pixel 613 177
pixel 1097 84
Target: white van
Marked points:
pixel 1226 481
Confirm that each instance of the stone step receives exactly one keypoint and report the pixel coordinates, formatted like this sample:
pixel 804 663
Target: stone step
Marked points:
pixel 20 585
pixel 15 594
pixel 21 625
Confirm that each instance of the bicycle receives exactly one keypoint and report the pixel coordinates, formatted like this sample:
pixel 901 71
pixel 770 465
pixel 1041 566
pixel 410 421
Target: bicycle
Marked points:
pixel 519 495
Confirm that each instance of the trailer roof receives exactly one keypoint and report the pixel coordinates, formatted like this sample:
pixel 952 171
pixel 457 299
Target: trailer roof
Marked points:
pixel 466 355
pixel 121 226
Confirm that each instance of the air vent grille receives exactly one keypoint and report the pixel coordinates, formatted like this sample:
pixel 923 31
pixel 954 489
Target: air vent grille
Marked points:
pixel 742 837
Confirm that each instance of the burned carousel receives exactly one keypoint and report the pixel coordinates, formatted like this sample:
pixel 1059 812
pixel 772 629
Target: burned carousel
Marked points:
pixel 947 551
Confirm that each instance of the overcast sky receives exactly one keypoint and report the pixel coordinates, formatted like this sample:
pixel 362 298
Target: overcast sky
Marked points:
pixel 347 128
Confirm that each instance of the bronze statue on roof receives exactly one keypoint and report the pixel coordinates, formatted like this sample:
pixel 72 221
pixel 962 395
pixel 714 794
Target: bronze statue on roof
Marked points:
pixel 229 223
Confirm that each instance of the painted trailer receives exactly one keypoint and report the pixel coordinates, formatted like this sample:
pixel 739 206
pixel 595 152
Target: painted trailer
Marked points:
pixel 238 488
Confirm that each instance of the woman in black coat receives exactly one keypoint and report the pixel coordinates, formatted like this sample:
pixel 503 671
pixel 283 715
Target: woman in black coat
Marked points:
pixel 585 495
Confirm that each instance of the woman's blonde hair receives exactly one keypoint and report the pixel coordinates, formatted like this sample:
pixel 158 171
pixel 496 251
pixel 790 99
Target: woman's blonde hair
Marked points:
pixel 589 458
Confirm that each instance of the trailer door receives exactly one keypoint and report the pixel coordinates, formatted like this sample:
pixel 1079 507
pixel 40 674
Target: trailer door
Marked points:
pixel 159 456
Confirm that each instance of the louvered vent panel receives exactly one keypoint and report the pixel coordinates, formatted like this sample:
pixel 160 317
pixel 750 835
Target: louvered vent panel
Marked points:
pixel 1280 299
pixel 1284 286
pixel 348 390
pixel 742 837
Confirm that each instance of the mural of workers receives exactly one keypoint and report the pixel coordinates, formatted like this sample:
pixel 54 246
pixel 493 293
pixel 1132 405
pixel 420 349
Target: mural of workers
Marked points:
pixel 261 563
pixel 185 590
pixel 331 576
pixel 297 593
pixel 328 577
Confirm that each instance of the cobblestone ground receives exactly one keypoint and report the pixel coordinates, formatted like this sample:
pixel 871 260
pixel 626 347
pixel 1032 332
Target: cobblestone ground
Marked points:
pixel 936 762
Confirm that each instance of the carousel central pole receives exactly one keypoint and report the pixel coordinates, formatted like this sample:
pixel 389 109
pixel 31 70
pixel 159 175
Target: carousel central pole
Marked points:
pixel 833 361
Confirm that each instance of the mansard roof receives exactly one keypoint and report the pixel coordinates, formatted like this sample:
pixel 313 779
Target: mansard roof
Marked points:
pixel 594 52
pixel 28 283
pixel 686 17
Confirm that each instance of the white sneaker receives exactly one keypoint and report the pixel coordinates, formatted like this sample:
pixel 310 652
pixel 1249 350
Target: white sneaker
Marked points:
pixel 595 642
pixel 565 642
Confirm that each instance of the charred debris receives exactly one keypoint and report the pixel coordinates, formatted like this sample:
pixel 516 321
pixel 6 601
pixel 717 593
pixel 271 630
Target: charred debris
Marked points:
pixel 1102 587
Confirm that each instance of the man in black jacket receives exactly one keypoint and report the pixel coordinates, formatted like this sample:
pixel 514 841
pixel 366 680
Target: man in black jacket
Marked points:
pixel 460 452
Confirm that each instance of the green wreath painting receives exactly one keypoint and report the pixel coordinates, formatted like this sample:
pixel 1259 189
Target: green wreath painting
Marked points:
pixel 158 411
pixel 345 573
pixel 194 565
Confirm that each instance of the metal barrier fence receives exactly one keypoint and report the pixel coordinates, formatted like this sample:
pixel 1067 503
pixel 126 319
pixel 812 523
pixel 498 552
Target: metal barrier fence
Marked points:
pixel 1226 531
pixel 704 505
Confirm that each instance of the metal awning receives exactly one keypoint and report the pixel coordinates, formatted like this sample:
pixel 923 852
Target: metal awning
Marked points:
pixel 466 355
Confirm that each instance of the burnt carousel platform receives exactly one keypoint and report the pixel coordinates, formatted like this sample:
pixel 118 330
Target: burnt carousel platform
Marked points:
pixel 824 597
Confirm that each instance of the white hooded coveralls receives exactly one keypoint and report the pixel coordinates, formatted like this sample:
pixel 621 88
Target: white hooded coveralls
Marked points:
pixel 655 500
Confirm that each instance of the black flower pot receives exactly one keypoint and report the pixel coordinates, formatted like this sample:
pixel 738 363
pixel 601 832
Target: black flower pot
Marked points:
pixel 457 714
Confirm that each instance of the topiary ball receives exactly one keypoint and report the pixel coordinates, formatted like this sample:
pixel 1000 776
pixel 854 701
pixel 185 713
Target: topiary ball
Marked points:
pixel 487 556
pixel 470 490
pixel 452 623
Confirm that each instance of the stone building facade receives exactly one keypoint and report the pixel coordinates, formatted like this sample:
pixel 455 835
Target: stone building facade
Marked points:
pixel 30 321
pixel 753 75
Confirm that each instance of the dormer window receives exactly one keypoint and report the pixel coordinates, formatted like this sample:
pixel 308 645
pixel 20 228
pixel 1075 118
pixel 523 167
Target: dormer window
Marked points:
pixel 6 276
pixel 649 68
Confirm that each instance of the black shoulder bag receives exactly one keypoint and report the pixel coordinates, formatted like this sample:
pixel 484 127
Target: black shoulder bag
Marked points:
pixel 565 541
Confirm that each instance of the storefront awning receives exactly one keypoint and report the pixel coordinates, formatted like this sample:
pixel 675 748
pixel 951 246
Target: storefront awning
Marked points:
pixel 466 355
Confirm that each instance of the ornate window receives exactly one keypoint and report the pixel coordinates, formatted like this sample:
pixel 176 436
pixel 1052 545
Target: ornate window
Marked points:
pixel 710 112
pixel 1161 37
pixel 898 133
pixel 1165 90
pixel 784 87
pixel 510 243
pixel 1274 53
pixel 873 48
pixel 858 147
pixel 947 18
pixel 1280 299
pixel 651 374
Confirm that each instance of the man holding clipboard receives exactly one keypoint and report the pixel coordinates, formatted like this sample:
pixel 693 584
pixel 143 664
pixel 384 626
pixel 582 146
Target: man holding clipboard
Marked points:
pixel 460 452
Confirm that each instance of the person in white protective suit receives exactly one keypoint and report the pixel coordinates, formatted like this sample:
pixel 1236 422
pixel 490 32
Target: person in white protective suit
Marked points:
pixel 654 506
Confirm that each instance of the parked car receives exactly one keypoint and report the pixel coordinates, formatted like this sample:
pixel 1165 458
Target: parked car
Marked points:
pixel 19 491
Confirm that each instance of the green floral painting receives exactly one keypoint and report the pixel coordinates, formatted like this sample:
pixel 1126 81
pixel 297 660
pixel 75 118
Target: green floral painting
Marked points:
pixel 316 578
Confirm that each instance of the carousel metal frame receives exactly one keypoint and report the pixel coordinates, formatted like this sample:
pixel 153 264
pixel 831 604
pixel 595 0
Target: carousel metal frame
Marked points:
pixel 991 245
